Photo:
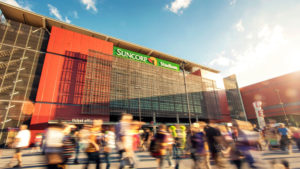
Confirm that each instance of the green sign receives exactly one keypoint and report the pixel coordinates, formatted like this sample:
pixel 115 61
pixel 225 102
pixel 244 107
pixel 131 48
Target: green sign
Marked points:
pixel 123 53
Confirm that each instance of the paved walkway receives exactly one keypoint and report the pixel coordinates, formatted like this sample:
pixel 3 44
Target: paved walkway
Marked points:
pixel 36 160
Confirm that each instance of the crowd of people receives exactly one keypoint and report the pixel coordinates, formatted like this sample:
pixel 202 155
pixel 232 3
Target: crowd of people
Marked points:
pixel 205 143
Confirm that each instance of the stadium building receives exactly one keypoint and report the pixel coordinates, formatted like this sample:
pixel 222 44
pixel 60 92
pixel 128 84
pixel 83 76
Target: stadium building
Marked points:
pixel 280 98
pixel 51 71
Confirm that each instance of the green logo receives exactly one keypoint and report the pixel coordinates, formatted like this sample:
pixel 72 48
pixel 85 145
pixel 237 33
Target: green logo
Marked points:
pixel 144 58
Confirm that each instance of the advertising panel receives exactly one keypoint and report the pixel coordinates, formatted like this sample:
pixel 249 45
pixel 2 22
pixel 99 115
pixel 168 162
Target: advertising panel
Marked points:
pixel 123 53
pixel 259 114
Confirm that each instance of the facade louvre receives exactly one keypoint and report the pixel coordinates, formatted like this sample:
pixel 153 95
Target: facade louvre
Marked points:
pixel 153 90
pixel 234 98
pixel 22 50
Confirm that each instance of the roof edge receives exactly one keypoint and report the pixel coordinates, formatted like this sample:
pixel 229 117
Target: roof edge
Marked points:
pixel 34 19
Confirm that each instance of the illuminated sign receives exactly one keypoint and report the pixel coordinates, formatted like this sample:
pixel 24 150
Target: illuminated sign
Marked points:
pixel 123 53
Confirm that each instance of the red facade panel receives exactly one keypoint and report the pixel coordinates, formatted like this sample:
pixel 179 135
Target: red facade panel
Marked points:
pixel 63 75
pixel 197 72
pixel 50 78
pixel 62 40
pixel 225 113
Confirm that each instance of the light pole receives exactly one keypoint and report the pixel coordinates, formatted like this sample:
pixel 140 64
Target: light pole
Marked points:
pixel 280 102
pixel 187 97
pixel 140 115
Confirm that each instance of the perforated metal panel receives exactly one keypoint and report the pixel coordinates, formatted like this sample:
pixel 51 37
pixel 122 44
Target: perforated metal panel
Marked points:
pixel 136 87
pixel 21 59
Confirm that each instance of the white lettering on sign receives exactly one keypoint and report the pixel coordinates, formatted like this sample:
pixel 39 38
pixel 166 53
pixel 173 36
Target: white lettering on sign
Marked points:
pixel 168 65
pixel 131 55
pixel 82 120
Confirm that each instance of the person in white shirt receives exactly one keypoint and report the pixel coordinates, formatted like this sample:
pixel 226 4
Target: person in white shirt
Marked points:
pixel 53 145
pixel 109 144
pixel 21 141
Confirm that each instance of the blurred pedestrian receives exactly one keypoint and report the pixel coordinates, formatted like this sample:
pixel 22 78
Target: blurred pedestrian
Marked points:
pixel 179 136
pixel 54 146
pixel 93 147
pixel 82 141
pixel 69 144
pixel 159 146
pixel 77 144
pixel 247 142
pixel 296 136
pixel 271 137
pixel 234 133
pixel 134 132
pixel 21 142
pixel 284 137
pixel 199 150
pixel 37 142
pixel 124 141
pixel 146 137
pixel 215 143
pixel 236 156
pixel 109 144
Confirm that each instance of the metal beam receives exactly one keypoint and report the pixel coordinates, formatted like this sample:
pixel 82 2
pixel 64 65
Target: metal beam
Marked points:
pixel 24 18
pixel 150 52
pixel 44 22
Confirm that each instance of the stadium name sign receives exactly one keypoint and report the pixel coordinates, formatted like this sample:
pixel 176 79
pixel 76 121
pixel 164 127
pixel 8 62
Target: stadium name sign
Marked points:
pixel 144 58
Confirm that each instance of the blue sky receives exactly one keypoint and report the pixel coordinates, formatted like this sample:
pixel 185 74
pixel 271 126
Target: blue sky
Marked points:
pixel 255 39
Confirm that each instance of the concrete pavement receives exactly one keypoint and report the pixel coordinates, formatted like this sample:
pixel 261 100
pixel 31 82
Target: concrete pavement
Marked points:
pixel 33 160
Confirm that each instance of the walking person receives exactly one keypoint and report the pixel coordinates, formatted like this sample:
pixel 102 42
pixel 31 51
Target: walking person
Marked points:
pixel 236 157
pixel 179 135
pixel 146 139
pixel 37 143
pixel 54 146
pixel 199 150
pixel 216 142
pixel 77 144
pixel 159 146
pixel 82 139
pixel 69 144
pixel 124 141
pixel 21 141
pixel 296 136
pixel 246 144
pixel 284 137
pixel 93 147
pixel 109 144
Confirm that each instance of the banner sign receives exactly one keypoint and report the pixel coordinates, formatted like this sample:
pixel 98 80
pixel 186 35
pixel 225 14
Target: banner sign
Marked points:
pixel 123 53
pixel 259 114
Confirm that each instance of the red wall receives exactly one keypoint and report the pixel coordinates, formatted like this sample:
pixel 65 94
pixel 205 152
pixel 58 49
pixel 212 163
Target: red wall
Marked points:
pixel 63 76
pixel 225 113
pixel 289 90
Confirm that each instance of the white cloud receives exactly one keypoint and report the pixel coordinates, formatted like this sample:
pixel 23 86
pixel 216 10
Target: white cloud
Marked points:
pixel 270 56
pixel 239 26
pixel 90 4
pixel 55 12
pixel 67 20
pixel 177 6
pixel 19 4
pixel 221 60
pixel 249 36
pixel 232 2
pixel 75 14
pixel 264 32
